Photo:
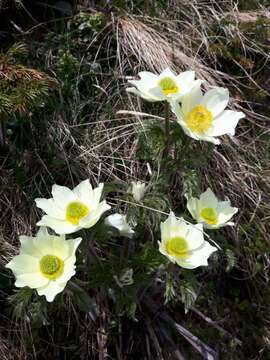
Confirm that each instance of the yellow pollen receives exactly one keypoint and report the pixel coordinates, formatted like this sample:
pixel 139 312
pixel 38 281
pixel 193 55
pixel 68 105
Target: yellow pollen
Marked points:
pixel 168 86
pixel 178 247
pixel 51 266
pixel 199 119
pixel 76 210
pixel 209 215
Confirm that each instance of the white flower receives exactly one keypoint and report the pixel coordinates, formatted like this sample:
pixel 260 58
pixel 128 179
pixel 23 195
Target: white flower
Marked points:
pixel 210 211
pixel 203 117
pixel 120 222
pixel 166 86
pixel 71 210
pixel 138 190
pixel 45 263
pixel 184 244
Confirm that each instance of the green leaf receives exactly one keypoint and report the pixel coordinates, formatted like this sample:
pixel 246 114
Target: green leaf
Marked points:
pixel 169 290
pixel 188 290
pixel 231 260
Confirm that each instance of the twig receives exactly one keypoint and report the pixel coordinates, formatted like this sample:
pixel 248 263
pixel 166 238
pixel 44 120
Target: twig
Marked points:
pixel 215 325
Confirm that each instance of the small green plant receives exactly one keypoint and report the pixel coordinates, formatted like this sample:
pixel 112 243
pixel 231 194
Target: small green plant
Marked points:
pixel 21 89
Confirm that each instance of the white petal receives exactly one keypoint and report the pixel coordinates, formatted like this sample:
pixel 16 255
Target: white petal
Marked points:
pixel 225 212
pixel 66 276
pixel 156 93
pixel 216 100
pixel 97 195
pixel 76 243
pixel 73 245
pixel 28 246
pixel 59 226
pixel 198 258
pixel 42 232
pixel 165 232
pixel 194 135
pixel 197 136
pixel 60 247
pixel 186 77
pixel 50 207
pixel 51 290
pixel 192 99
pixel 32 280
pixel 192 206
pixel 210 139
pixel 195 237
pixel 148 76
pixel 177 110
pixel 167 73
pixel 138 190
pixel 172 228
pixel 208 200
pixel 134 91
pixel 119 222
pixel 22 264
pixel 115 220
pixel 185 81
pixel 143 86
pixel 225 123
pixel 43 243
pixel 84 191
pixel 94 216
pixel 62 196
pixel 69 270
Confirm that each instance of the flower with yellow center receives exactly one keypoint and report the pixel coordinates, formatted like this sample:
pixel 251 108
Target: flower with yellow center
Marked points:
pixel 203 117
pixel 166 86
pixel 71 210
pixel 184 243
pixel 211 212
pixel 45 263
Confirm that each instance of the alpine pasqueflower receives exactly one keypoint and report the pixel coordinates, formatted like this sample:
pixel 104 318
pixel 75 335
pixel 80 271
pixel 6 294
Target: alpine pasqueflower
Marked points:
pixel 45 263
pixel 203 117
pixel 211 212
pixel 71 210
pixel 166 86
pixel 184 244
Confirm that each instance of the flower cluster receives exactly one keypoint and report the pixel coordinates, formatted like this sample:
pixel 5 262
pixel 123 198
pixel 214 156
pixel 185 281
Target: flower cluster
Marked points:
pixel 201 116
pixel 184 243
pixel 47 262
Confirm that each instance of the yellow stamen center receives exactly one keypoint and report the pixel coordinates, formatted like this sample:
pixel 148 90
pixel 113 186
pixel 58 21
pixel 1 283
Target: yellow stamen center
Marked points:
pixel 177 246
pixel 199 119
pixel 51 266
pixel 209 215
pixel 76 210
pixel 168 86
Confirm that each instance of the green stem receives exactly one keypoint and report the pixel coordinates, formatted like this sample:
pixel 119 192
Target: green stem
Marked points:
pixel 167 130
